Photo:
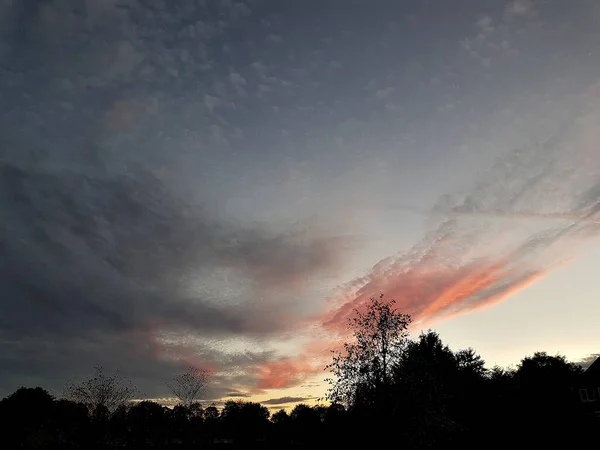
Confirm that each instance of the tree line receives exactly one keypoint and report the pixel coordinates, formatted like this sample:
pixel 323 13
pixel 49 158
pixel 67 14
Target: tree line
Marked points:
pixel 385 389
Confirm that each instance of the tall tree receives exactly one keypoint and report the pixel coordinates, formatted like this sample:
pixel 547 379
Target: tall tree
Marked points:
pixel 189 386
pixel 364 367
pixel 102 391
pixel 423 385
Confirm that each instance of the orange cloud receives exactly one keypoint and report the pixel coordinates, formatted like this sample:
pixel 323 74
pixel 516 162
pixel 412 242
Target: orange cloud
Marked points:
pixel 458 268
pixel 476 256
pixel 285 373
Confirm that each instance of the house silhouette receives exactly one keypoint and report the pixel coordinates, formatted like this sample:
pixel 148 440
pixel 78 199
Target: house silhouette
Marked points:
pixel 589 388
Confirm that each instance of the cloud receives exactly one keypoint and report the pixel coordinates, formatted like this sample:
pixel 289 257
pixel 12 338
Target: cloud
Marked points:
pixel 385 92
pixel 110 262
pixel 122 115
pixel 236 79
pixel 120 242
pixel 526 217
pixel 520 8
pixel 335 65
pixel 485 24
pixel 484 256
pixel 241 9
pixel 275 38
pixel 287 372
pixel 237 394
pixel 211 103
pixel 263 90
pixel 259 67
pixel 285 400
pixel 126 59
pixel 94 7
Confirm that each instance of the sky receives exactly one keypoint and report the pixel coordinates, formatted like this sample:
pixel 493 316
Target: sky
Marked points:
pixel 220 183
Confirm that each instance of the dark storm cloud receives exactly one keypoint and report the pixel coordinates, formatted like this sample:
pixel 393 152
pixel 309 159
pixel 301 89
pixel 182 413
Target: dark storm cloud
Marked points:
pixel 53 361
pixel 105 245
pixel 86 255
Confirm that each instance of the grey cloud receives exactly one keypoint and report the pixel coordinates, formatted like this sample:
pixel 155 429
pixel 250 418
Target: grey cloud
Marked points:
pixel 528 214
pixel 236 79
pixel 88 257
pixel 275 38
pixel 520 8
pixel 53 360
pixel 237 394
pixel 285 400
pixel 104 250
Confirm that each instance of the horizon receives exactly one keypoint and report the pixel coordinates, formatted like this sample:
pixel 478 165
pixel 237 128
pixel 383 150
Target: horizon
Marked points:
pixel 221 183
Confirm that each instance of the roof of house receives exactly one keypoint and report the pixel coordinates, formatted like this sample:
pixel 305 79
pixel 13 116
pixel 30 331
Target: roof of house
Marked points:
pixel 593 372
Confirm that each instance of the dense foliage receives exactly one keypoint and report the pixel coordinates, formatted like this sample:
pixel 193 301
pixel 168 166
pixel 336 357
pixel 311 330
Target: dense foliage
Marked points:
pixel 413 394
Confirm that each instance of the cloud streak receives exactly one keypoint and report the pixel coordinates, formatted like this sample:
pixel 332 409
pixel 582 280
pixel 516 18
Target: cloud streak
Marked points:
pixel 142 141
pixel 285 400
pixel 120 254
pixel 489 246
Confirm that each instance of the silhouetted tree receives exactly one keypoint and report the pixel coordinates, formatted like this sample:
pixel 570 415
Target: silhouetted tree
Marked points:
pixel 470 364
pixel 546 398
pixel 244 421
pixel 499 374
pixel 211 420
pixel 25 417
pixel 434 398
pixel 102 392
pixel 280 417
pixel 71 423
pixel 364 368
pixel 306 422
pixel 281 427
pixel 211 413
pixel 147 424
pixel 189 386
pixel 423 387
pixel 543 369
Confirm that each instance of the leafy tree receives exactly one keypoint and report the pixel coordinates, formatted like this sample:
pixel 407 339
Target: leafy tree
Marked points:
pixel 423 386
pixel 280 417
pixel 25 416
pixel 306 422
pixel 470 364
pixel 211 419
pixel 189 386
pixel 244 420
pixel 364 368
pixel 70 423
pixel 546 400
pixel 281 428
pixel 335 413
pixel 147 422
pixel 543 369
pixel 499 374
pixel 211 413
pixel 102 392
pixel 305 415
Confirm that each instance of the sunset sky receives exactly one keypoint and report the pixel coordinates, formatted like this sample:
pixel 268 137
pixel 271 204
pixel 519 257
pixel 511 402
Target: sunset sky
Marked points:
pixel 221 183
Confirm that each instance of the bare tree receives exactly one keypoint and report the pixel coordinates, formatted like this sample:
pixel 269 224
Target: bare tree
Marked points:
pixel 189 386
pixel 364 368
pixel 101 391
